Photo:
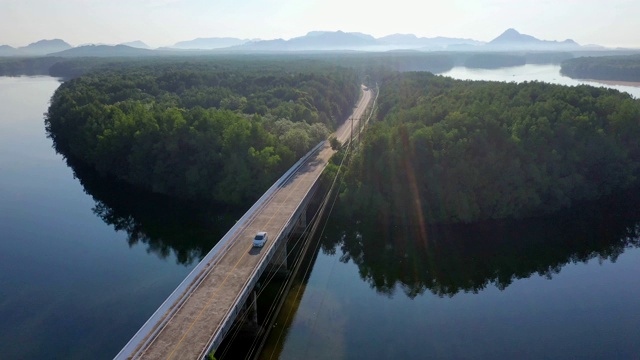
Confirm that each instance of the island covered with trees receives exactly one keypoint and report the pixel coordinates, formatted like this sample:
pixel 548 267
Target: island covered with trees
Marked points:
pixel 612 68
pixel 199 130
pixel 451 151
pixel 439 150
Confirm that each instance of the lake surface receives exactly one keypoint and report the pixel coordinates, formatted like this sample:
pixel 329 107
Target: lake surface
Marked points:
pixel 84 263
pixel 565 287
pixel 71 285
pixel 557 288
pixel 531 72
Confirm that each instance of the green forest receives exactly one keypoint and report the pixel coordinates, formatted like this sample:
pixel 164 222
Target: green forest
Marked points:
pixel 370 63
pixel 365 63
pixel 451 151
pixel 222 129
pixel 614 68
pixel 199 130
pixel 29 66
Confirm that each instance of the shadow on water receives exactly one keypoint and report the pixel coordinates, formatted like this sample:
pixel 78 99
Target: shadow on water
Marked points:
pixel 447 260
pixel 391 257
pixel 450 260
pixel 165 225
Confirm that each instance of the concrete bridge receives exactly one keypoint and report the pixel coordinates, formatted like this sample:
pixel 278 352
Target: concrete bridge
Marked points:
pixel 199 313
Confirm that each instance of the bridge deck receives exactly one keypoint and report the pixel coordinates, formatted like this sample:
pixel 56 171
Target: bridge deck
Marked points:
pixel 189 329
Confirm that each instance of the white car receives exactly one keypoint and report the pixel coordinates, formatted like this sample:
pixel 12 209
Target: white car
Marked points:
pixel 260 239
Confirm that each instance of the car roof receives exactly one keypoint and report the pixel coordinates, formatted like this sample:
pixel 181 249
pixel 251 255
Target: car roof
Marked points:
pixel 263 233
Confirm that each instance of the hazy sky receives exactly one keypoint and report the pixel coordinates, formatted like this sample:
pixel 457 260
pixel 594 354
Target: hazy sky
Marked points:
pixel 165 22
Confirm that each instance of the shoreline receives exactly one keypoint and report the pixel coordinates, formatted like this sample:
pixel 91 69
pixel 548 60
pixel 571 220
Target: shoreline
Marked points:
pixel 614 82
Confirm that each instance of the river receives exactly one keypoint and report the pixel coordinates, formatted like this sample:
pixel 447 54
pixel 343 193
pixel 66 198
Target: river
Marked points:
pixel 84 263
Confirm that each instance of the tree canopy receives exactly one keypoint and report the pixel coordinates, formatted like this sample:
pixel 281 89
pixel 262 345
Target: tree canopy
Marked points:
pixel 205 130
pixel 615 68
pixel 450 151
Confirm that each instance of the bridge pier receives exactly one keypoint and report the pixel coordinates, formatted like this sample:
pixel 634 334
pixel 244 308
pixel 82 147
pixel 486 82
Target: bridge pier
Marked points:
pixel 301 224
pixel 173 322
pixel 251 306
pixel 279 262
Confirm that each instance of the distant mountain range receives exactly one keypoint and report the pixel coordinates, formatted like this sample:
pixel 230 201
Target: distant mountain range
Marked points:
pixel 208 43
pixel 437 43
pixel 513 40
pixel 313 41
pixel 338 40
pixel 42 47
pixel 510 40
pixel 104 51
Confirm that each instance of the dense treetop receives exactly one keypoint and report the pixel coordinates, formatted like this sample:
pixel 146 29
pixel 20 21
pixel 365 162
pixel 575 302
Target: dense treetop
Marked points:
pixel 200 130
pixel 372 64
pixel 461 151
pixel 19 66
pixel 223 128
pixel 615 68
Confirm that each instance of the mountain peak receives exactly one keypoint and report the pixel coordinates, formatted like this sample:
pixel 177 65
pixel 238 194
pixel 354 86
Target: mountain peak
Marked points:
pixel 399 37
pixel 512 39
pixel 513 36
pixel 52 42
pixel 136 44
pixel 44 47
pixel 93 50
pixel 332 40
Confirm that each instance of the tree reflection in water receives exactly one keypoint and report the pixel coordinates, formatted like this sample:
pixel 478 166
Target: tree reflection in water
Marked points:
pixel 467 258
pixel 165 225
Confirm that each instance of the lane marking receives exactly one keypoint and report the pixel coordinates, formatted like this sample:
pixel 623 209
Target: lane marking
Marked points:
pixel 359 110
pixel 290 193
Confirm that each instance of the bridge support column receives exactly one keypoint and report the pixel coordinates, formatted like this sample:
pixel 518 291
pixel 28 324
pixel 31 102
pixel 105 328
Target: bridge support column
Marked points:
pixel 279 263
pixel 248 325
pixel 252 307
pixel 301 224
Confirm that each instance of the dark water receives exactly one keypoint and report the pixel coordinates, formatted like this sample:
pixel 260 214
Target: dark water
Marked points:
pixel 84 262
pixel 79 273
pixel 565 287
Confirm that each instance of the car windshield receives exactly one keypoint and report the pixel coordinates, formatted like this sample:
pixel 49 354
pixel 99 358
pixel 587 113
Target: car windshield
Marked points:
pixel 259 237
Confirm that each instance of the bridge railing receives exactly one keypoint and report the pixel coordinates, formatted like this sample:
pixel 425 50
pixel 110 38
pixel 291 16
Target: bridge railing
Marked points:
pixel 156 322
pixel 243 294
pixel 241 297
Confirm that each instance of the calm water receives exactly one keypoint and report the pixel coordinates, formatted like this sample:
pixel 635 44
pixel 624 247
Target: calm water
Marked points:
pixel 71 286
pixel 559 288
pixel 531 72
pixel 83 263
